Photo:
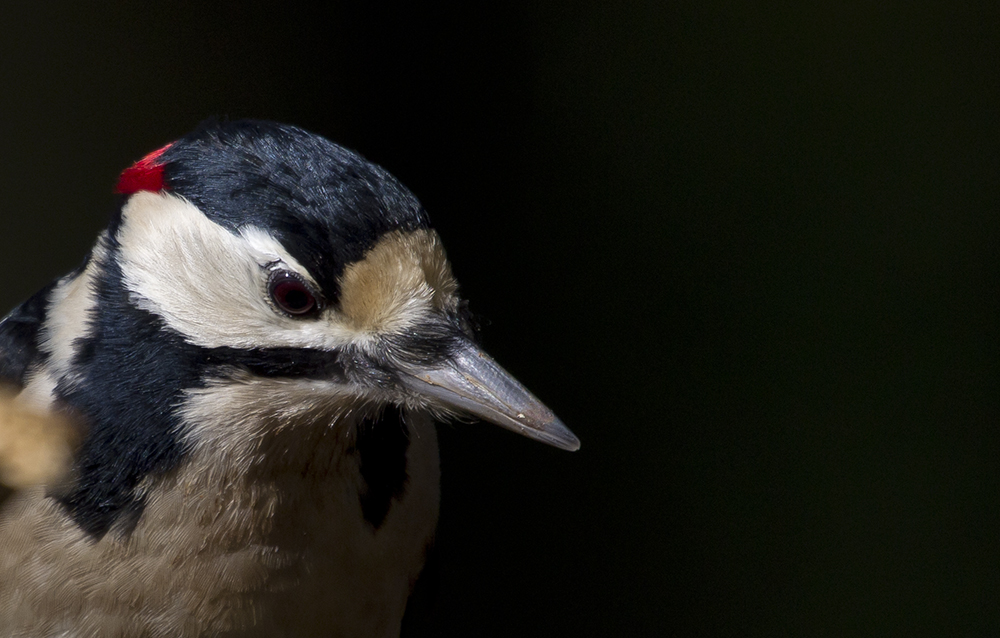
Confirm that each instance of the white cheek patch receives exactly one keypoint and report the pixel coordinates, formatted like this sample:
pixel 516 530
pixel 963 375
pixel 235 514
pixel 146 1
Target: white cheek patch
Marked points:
pixel 209 284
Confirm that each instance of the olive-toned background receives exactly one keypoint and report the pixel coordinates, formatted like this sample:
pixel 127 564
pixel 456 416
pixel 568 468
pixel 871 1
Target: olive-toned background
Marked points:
pixel 747 251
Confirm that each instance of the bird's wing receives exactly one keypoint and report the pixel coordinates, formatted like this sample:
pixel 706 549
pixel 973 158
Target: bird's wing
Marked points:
pixel 35 445
pixel 19 337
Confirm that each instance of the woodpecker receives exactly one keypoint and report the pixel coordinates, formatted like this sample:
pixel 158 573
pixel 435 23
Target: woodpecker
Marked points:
pixel 254 355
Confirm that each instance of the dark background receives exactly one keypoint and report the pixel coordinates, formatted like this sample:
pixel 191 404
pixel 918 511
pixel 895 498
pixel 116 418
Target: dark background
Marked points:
pixel 747 251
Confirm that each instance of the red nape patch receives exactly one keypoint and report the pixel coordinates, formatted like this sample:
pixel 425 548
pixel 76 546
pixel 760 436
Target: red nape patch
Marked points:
pixel 144 175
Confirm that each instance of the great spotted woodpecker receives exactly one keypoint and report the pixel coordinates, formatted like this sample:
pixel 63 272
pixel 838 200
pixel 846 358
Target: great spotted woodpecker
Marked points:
pixel 252 356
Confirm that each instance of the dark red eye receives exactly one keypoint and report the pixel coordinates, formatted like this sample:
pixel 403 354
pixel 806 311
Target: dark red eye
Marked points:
pixel 290 294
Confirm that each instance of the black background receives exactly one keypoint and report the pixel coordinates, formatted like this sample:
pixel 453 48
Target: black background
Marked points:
pixel 745 250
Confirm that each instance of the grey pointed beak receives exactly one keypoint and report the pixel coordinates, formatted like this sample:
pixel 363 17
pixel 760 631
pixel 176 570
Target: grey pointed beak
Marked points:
pixel 471 382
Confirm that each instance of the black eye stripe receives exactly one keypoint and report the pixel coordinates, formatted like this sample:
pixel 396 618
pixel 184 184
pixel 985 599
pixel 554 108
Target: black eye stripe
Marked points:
pixel 291 295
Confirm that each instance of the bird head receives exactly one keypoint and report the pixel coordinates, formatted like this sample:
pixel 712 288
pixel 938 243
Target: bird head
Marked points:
pixel 280 252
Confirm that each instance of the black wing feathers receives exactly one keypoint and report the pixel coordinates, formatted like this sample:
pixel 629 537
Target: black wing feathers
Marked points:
pixel 19 337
